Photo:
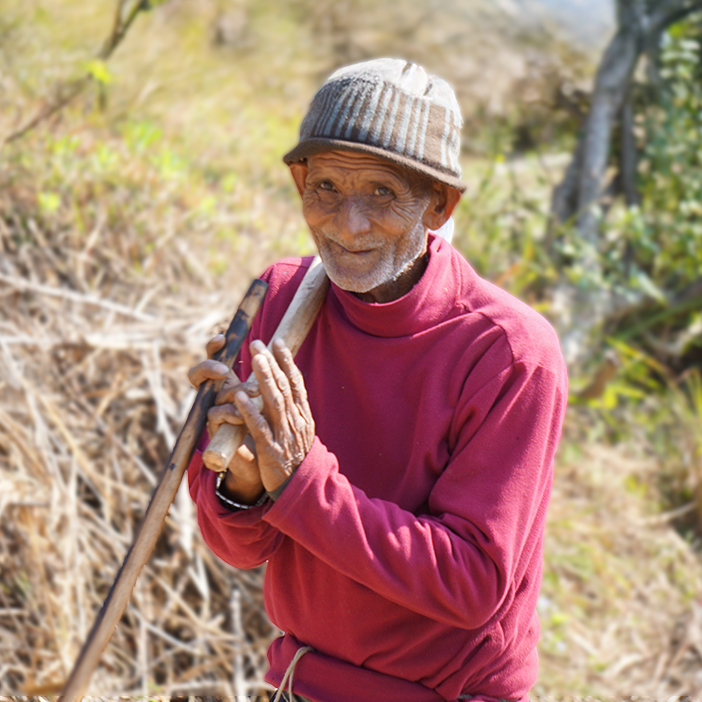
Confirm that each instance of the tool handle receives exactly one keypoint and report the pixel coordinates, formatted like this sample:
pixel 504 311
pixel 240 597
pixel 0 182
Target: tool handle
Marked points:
pixel 156 512
pixel 293 329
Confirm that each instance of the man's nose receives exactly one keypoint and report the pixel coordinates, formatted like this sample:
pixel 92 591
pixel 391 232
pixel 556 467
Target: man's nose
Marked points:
pixel 353 219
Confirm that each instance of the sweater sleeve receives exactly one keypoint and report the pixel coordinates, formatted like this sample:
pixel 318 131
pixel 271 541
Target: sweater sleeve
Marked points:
pixel 242 538
pixel 239 538
pixel 462 561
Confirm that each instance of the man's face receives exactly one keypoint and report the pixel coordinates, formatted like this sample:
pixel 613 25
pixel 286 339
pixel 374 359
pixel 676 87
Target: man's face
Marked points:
pixel 365 215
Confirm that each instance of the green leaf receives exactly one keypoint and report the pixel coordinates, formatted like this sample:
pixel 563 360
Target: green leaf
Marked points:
pixel 49 202
pixel 647 286
pixel 98 70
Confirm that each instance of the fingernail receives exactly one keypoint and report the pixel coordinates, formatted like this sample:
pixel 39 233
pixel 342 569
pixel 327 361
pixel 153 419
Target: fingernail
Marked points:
pixel 221 368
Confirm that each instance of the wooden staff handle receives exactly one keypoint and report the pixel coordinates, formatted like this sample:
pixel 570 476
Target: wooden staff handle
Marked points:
pixel 165 491
pixel 293 329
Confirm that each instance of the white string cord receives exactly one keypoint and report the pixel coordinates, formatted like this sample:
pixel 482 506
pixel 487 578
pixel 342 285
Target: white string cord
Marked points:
pixel 288 677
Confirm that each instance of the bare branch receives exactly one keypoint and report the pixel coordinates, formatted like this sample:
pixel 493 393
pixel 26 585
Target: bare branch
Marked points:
pixel 666 13
pixel 65 92
pixel 121 27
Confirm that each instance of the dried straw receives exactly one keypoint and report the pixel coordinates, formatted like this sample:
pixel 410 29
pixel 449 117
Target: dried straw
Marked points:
pixel 93 390
pixel 620 606
pixel 97 329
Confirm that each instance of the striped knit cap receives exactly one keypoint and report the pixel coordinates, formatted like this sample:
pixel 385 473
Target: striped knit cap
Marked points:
pixel 389 108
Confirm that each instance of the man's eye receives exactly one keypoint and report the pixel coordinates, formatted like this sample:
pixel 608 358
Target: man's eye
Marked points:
pixel 382 191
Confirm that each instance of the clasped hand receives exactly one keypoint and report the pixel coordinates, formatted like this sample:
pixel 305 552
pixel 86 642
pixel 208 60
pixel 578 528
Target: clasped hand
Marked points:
pixel 279 437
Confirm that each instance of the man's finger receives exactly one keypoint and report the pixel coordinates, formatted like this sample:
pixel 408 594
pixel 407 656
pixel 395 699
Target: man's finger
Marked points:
pixel 250 445
pixel 297 384
pixel 274 401
pixel 280 377
pixel 254 420
pixel 232 385
pixel 251 387
pixel 224 414
pixel 207 370
pixel 215 344
pixel 258 348
pixel 229 388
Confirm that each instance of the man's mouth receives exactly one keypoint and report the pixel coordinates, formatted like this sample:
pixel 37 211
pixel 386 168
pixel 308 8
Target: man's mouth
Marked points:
pixel 358 253
pixel 353 252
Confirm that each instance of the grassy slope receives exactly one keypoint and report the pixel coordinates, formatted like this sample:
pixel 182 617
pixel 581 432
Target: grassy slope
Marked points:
pixel 183 171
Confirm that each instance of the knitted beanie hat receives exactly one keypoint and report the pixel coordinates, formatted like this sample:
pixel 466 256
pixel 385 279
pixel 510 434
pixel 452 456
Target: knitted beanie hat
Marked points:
pixel 389 108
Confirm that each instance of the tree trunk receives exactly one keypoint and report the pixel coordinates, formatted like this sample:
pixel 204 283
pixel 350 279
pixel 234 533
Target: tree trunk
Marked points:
pixel 629 156
pixel 611 88
pixel 582 308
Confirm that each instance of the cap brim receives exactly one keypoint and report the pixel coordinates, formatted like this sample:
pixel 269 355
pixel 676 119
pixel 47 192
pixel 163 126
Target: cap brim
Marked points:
pixel 316 145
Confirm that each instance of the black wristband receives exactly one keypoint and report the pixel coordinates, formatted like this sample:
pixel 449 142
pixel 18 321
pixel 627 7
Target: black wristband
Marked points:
pixel 230 504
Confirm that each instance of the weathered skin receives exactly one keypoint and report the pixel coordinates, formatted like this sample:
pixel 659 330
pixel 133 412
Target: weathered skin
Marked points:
pixel 369 219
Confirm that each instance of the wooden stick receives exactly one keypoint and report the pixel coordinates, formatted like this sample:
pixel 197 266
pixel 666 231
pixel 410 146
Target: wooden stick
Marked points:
pixel 153 520
pixel 293 329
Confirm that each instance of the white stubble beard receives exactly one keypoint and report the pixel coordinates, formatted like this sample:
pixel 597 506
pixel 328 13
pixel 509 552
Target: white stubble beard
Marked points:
pixel 389 268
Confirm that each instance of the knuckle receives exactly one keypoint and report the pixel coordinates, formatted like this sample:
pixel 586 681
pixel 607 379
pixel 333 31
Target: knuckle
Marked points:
pixel 278 374
pixel 252 388
pixel 298 383
pixel 300 397
pixel 279 404
pixel 231 383
pixel 225 396
pixel 217 415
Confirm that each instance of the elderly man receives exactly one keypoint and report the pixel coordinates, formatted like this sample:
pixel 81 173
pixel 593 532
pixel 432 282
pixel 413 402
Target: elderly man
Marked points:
pixel 398 478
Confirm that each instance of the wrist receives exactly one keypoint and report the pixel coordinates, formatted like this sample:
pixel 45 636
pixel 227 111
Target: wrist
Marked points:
pixel 232 491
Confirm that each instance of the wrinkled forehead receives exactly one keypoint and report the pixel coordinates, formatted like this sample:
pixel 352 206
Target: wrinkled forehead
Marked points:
pixel 361 167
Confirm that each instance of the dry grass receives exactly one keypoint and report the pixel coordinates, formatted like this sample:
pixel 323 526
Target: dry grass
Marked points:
pixel 106 302
pixel 123 238
pixel 620 604
pixel 97 330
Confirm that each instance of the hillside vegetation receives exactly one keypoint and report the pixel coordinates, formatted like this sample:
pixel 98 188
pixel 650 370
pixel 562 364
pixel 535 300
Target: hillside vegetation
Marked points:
pixel 132 221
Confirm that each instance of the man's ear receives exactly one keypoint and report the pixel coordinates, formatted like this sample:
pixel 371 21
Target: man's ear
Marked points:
pixel 442 203
pixel 299 171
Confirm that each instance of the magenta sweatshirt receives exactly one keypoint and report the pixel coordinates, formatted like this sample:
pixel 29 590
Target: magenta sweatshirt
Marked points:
pixel 406 549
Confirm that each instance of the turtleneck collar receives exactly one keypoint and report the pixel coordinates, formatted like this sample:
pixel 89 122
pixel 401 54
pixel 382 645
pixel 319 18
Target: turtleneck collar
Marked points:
pixel 428 302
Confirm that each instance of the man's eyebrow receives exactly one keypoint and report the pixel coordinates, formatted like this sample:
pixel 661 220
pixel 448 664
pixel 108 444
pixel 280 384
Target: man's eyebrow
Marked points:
pixel 394 181
pixel 384 178
pixel 388 183
pixel 317 173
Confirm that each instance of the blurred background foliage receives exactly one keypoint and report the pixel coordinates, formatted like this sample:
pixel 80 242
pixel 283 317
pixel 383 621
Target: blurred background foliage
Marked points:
pixel 161 180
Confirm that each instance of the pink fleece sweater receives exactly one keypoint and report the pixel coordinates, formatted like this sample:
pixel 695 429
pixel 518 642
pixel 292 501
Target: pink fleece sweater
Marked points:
pixel 406 549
